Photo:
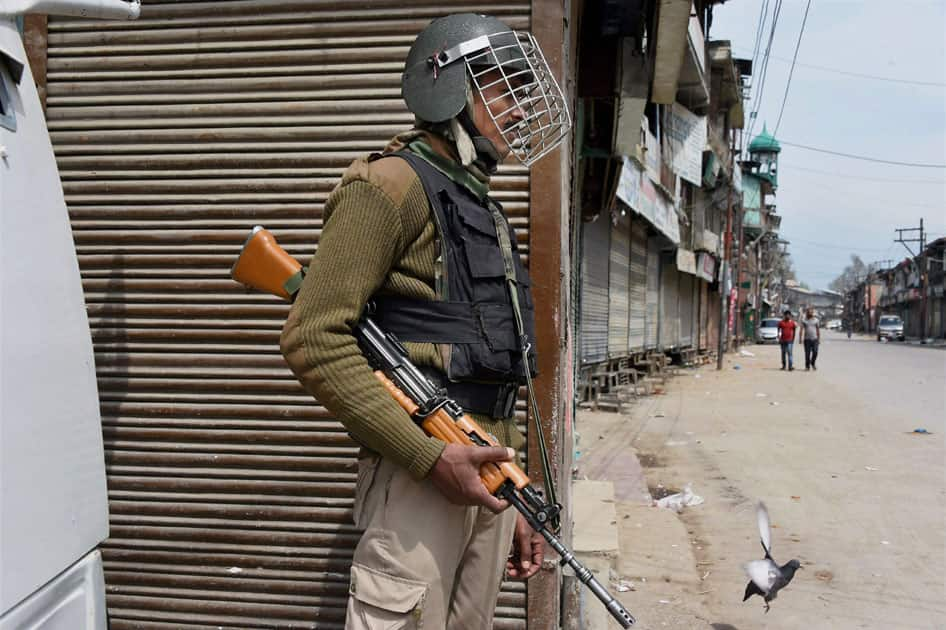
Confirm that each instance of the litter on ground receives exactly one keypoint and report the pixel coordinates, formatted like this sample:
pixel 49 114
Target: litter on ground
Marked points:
pixel 680 500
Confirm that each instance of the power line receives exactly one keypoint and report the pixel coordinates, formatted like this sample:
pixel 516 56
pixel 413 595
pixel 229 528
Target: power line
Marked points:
pixel 763 14
pixel 792 70
pixel 757 100
pixel 764 71
pixel 859 75
pixel 862 157
pixel 875 200
pixel 792 167
pixel 849 248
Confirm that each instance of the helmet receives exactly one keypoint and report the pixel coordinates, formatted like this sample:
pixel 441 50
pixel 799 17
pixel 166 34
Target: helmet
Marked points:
pixel 458 52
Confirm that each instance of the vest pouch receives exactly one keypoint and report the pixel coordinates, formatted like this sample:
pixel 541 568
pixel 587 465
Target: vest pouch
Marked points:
pixel 488 272
pixel 498 327
pixel 479 221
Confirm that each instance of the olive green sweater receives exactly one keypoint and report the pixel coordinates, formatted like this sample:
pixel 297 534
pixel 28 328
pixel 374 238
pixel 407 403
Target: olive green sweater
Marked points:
pixel 378 237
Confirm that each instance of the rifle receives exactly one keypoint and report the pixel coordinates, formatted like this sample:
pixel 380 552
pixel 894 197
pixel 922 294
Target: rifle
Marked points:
pixel 265 266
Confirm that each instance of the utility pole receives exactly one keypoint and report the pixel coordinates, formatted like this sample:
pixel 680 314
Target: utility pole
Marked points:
pixel 871 268
pixel 758 281
pixel 725 274
pixel 922 272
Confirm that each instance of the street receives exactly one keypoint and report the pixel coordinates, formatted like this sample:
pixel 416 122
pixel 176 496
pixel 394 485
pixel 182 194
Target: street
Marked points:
pixel 853 491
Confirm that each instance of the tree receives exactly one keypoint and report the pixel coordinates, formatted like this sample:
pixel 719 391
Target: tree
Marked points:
pixel 852 275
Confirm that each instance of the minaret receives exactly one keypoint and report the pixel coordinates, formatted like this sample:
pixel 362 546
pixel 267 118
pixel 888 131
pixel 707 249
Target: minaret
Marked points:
pixel 764 150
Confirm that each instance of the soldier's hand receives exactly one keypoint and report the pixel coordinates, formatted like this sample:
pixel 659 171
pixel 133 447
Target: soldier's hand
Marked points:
pixel 457 474
pixel 528 551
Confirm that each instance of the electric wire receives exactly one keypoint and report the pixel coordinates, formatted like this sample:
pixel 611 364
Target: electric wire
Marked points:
pixel 760 28
pixel 757 99
pixel 792 167
pixel 791 71
pixel 874 201
pixel 858 75
pixel 862 157
pixel 835 246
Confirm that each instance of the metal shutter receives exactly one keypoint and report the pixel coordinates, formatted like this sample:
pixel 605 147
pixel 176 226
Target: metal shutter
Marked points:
pixel 687 309
pixel 703 329
pixel 595 239
pixel 619 275
pixel 713 306
pixel 652 331
pixel 230 489
pixel 669 302
pixel 637 291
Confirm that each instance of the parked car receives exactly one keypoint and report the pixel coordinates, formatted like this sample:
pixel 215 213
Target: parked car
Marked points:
pixel 834 324
pixel 767 331
pixel 890 327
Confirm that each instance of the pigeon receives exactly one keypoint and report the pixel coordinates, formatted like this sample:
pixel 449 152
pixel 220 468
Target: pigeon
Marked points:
pixel 766 578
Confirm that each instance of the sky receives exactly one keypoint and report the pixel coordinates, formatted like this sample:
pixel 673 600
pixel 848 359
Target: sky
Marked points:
pixel 825 216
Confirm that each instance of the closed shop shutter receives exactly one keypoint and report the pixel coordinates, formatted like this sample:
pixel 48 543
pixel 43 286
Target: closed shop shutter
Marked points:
pixel 713 305
pixel 595 240
pixel 669 302
pixel 230 488
pixel 687 309
pixel 703 330
pixel 652 321
pixel 638 285
pixel 619 274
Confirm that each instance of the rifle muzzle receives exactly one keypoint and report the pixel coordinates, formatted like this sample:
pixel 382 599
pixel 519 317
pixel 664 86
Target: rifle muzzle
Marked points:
pixel 267 267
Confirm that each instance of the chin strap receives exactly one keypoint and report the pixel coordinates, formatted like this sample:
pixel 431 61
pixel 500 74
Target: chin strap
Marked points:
pixel 487 157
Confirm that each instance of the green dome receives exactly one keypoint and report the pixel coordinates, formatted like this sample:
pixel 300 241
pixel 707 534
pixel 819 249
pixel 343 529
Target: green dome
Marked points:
pixel 764 143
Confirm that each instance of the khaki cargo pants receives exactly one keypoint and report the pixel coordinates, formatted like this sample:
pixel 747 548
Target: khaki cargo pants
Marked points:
pixel 423 562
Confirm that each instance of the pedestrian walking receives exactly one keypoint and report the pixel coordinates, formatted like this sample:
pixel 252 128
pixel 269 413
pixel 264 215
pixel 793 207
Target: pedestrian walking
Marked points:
pixel 414 231
pixel 811 338
pixel 786 338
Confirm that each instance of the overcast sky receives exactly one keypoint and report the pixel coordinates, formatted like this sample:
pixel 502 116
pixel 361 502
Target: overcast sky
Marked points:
pixel 827 217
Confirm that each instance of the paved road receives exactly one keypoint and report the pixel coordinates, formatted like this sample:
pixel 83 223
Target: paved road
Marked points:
pixel 853 492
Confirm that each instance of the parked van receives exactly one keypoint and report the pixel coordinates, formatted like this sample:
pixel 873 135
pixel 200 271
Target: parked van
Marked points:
pixel 53 504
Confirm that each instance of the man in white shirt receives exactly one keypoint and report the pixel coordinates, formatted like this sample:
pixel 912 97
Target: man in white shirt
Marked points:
pixel 811 334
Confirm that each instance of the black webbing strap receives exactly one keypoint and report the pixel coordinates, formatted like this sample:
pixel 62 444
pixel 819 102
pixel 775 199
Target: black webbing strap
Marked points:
pixel 502 232
pixel 427 320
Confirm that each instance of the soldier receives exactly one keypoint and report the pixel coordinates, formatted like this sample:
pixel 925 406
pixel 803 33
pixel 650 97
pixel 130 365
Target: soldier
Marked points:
pixel 413 231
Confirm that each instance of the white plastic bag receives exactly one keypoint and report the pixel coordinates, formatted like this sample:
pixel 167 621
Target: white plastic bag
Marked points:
pixel 680 500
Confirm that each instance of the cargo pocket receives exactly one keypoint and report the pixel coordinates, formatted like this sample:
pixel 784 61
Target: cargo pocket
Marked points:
pixel 385 601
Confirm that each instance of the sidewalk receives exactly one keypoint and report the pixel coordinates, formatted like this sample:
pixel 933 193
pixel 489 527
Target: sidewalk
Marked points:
pixel 643 554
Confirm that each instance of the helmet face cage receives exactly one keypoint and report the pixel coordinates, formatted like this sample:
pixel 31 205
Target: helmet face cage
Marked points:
pixel 510 73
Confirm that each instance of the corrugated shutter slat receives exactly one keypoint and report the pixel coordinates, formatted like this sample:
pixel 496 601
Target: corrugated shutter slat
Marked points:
pixel 619 277
pixel 596 238
pixel 638 285
pixel 230 489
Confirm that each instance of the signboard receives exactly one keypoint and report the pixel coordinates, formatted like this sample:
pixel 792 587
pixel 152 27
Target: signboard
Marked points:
pixel 638 191
pixel 629 184
pixel 665 218
pixel 652 155
pixel 686 261
pixel 706 267
pixel 685 136
pixel 737 178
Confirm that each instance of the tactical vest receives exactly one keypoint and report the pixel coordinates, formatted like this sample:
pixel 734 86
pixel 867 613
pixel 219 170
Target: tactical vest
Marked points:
pixel 474 315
